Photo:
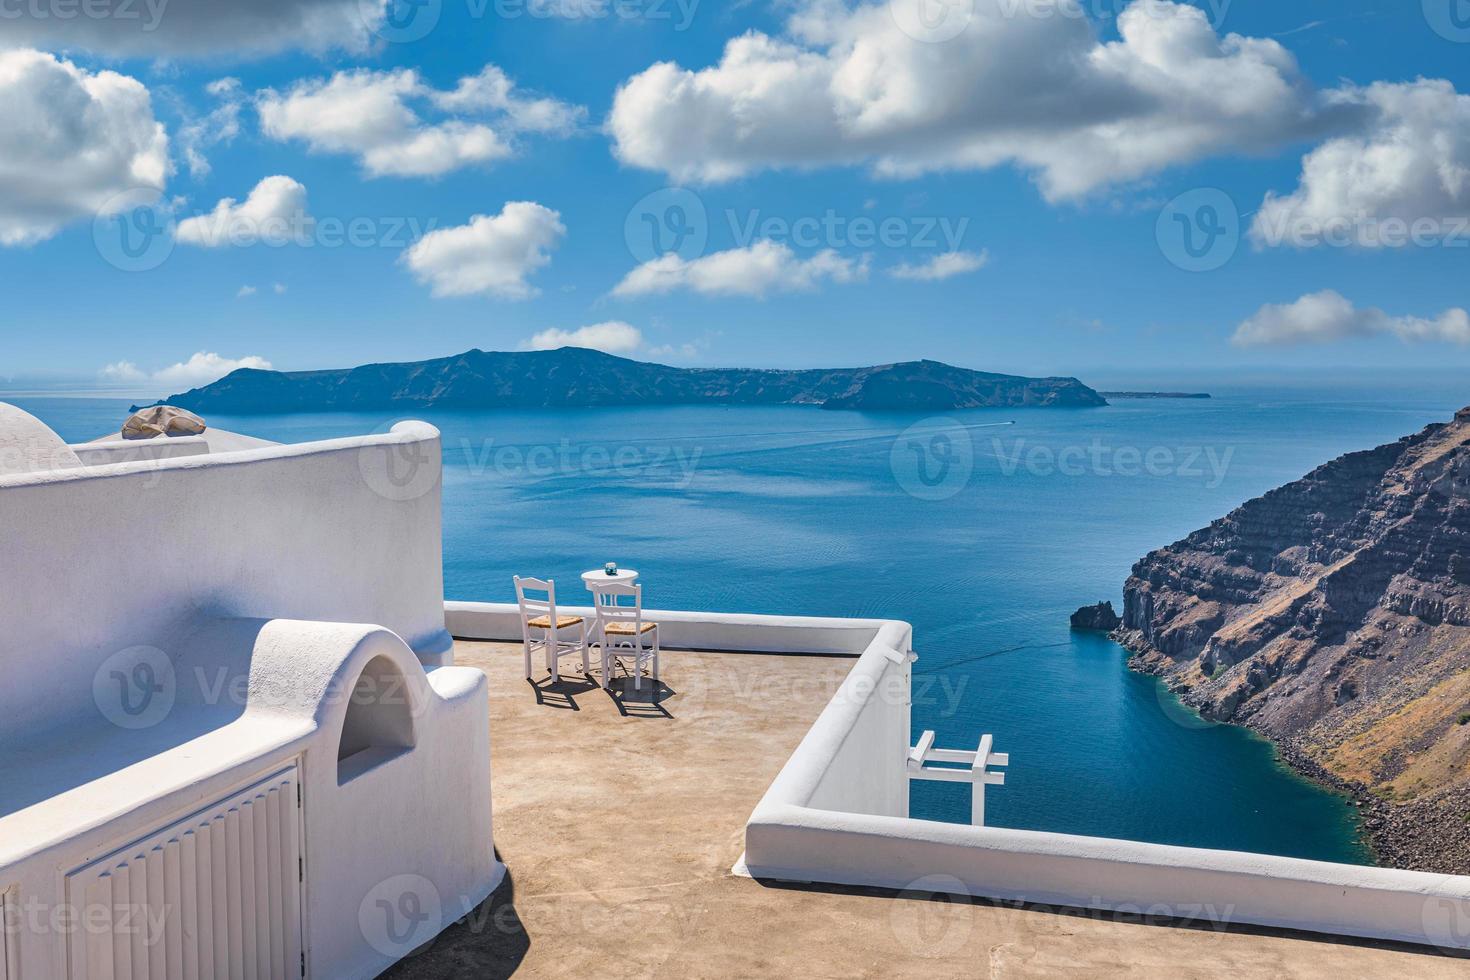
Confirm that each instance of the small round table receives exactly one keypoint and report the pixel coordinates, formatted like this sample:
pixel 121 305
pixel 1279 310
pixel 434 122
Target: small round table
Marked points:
pixel 596 577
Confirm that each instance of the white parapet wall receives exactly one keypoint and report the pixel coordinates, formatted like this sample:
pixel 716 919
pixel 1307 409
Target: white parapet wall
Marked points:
pixel 133 450
pixel 837 813
pixel 102 558
pixel 233 741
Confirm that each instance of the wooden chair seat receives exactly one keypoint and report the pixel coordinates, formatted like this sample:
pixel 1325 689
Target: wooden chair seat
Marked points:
pixel 562 622
pixel 628 629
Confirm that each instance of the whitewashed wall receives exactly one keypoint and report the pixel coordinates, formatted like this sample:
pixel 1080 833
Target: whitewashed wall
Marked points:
pixel 831 816
pixel 99 559
pixel 245 583
pixel 133 450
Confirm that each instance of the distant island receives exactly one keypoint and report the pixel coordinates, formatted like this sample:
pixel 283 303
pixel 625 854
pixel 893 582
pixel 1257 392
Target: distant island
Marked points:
pixel 575 377
pixel 1125 395
pixel 1333 616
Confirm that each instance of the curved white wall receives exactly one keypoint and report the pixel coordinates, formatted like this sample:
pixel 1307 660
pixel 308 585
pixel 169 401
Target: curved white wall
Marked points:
pixel 832 815
pixel 132 450
pixel 99 559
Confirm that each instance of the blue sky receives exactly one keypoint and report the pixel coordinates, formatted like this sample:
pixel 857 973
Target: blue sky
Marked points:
pixel 1068 251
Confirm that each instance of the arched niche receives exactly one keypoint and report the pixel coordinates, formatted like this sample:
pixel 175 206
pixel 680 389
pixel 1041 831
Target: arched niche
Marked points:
pixel 379 721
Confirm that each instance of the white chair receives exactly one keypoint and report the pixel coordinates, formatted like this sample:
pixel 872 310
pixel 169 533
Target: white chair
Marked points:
pixel 620 626
pixel 540 614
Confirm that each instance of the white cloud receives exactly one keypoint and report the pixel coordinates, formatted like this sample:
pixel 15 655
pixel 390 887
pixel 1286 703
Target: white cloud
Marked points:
pixel 493 91
pixel 1411 164
pixel 246 291
pixel 274 211
pixel 846 86
pixel 279 288
pixel 376 116
pixel 193 28
pixel 491 256
pixel 614 337
pixel 123 372
pixel 218 126
pixel 755 270
pixel 941 266
pixel 201 369
pixel 1320 318
pixel 73 142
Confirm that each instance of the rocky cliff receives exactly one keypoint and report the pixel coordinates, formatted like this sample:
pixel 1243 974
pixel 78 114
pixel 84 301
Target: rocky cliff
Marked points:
pixel 1333 616
pixel 578 378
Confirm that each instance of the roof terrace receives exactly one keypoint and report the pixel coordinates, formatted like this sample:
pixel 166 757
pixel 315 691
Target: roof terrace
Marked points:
pixel 620 817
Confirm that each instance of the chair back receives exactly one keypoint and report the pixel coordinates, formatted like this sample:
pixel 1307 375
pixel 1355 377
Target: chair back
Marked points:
pixel 616 602
pixel 536 597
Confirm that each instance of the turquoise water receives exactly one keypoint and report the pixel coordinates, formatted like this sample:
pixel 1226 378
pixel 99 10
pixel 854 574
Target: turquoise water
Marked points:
pixel 982 533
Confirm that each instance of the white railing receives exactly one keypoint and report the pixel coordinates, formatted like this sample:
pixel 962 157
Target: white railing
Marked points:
pixel 978 773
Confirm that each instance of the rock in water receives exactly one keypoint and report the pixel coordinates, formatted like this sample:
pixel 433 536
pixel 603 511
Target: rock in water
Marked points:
pixel 1100 617
pixel 162 420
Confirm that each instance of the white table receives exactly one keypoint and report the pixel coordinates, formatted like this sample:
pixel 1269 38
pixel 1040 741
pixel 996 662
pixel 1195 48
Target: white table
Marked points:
pixel 596 577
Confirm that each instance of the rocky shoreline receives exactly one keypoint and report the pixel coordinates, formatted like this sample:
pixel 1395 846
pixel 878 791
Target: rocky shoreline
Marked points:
pixel 1332 616
pixel 1426 835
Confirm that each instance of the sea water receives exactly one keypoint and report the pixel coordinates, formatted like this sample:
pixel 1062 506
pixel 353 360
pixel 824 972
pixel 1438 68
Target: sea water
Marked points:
pixel 984 529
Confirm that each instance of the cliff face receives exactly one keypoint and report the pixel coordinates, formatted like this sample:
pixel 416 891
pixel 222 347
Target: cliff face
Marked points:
pixel 1333 616
pixel 575 378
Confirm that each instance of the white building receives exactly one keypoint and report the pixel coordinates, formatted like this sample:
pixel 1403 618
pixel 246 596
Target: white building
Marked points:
pixel 227 706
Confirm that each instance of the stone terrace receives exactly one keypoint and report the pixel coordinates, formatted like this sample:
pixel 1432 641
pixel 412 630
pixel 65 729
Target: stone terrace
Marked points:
pixel 620 818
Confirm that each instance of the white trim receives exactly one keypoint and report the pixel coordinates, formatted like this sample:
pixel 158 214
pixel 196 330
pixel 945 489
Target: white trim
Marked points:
pixel 799 832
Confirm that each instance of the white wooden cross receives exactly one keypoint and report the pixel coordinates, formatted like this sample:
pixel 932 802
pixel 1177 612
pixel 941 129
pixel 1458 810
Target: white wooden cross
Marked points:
pixel 978 775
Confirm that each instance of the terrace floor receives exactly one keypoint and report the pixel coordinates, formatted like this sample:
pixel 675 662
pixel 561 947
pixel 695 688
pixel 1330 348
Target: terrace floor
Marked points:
pixel 620 819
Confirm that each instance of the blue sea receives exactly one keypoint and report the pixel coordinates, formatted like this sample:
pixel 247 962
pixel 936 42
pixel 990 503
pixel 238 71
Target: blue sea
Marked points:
pixel 985 529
